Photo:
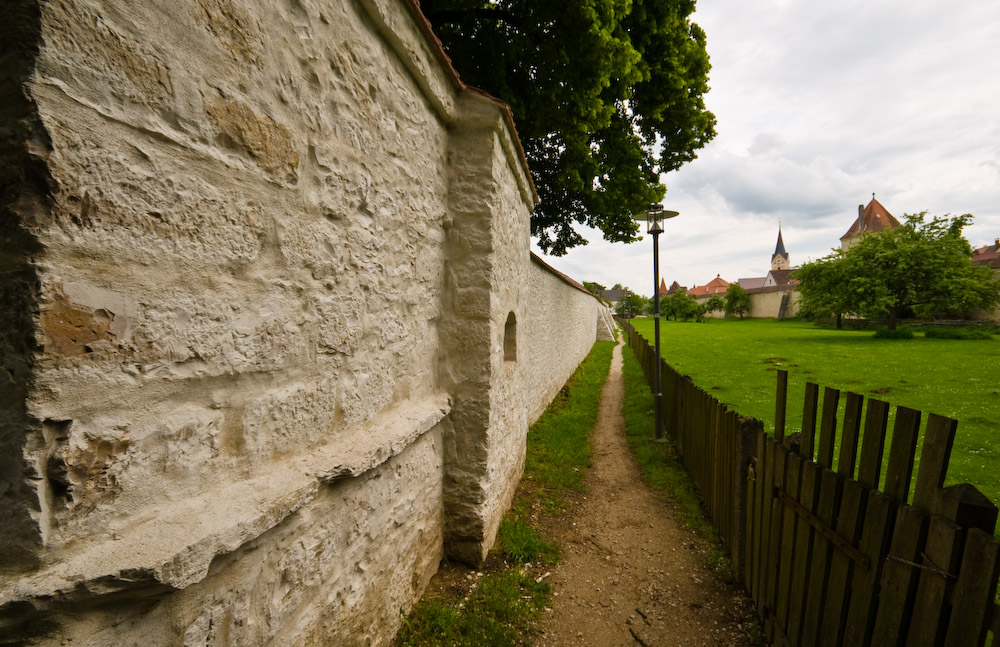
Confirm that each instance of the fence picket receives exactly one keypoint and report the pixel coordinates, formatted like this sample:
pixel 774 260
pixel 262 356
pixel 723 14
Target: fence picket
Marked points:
pixel 973 595
pixel 875 536
pixel 931 608
pixel 804 541
pixel 934 456
pixel 899 576
pixel 902 452
pixel 819 572
pixel 849 435
pixel 850 520
pixel 873 443
pixel 789 525
pixel 780 406
pixel 809 410
pixel 828 427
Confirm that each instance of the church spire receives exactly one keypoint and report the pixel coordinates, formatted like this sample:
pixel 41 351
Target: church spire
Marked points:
pixel 779 259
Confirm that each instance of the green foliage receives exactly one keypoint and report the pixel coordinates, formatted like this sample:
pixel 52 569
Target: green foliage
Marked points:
pixel 680 304
pixel 501 611
pixel 595 87
pixel 737 300
pixel 958 333
pixel 923 267
pixel 898 333
pixel 632 306
pixel 520 543
pixel 715 303
pixel 736 361
pixel 593 287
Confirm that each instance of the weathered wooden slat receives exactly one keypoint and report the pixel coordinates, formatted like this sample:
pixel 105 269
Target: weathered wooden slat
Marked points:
pixel 972 598
pixel 902 452
pixel 899 576
pixel 850 435
pixel 809 409
pixel 968 507
pixel 873 443
pixel 934 456
pixel 789 525
pixel 780 407
pixel 758 536
pixel 853 506
pixel 828 427
pixel 804 535
pixel 771 512
pixel 931 607
pixel 819 570
pixel 875 537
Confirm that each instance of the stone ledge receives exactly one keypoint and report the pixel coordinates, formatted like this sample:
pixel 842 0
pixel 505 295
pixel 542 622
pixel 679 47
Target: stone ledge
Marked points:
pixel 175 549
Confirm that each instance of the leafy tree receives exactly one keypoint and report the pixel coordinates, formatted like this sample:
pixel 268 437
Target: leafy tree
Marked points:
pixel 921 266
pixel 606 95
pixel 618 286
pixel 680 304
pixel 823 289
pixel 631 306
pixel 715 303
pixel 593 287
pixel 737 300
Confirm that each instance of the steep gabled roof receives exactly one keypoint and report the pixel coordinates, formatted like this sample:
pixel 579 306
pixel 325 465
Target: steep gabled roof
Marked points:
pixel 872 218
pixel 718 285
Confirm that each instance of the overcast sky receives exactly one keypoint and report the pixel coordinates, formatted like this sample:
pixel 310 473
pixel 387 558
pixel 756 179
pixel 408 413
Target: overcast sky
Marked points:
pixel 819 105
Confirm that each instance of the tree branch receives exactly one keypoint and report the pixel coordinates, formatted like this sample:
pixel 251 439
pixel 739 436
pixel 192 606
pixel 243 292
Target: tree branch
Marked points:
pixel 451 16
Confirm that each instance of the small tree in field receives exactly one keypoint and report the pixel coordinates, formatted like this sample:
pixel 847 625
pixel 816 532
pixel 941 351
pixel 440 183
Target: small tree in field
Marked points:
pixel 921 266
pixel 715 303
pixel 680 304
pixel 631 306
pixel 737 300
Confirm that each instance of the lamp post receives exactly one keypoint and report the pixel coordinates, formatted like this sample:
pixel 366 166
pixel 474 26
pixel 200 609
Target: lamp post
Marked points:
pixel 655 215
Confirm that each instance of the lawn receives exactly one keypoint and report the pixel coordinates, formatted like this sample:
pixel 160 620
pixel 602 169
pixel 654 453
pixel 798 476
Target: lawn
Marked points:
pixel 736 361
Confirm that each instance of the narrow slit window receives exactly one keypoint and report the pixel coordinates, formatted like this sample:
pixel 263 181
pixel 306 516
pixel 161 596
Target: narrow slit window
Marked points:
pixel 510 339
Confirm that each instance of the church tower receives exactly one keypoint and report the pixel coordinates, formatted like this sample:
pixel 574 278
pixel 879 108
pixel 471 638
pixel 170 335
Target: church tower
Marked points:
pixel 779 259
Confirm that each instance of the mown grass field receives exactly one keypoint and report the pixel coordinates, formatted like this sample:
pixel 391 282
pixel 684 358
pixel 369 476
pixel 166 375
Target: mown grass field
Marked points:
pixel 736 361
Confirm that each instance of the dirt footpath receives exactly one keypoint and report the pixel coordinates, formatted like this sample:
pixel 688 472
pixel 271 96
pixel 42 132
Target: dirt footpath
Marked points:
pixel 630 574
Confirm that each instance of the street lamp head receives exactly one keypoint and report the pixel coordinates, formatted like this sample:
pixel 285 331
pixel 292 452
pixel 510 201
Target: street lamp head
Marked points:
pixel 655 215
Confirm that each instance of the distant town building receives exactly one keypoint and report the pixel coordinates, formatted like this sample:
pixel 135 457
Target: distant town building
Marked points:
pixel 779 259
pixel 872 218
pixel 988 255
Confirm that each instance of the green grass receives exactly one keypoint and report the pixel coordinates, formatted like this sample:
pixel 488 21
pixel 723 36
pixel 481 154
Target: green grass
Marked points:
pixel 736 362
pixel 504 605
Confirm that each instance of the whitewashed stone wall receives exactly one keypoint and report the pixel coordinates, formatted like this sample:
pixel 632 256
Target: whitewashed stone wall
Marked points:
pixel 258 266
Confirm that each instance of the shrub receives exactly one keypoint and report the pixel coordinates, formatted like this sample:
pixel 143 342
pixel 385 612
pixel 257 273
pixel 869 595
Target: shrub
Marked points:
pixel 899 333
pixel 958 333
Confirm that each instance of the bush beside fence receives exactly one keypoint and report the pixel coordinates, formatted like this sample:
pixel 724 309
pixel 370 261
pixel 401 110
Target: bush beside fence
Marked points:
pixel 831 552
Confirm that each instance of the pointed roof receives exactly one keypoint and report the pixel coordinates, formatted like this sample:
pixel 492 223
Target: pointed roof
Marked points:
pixel 872 218
pixel 663 286
pixel 779 249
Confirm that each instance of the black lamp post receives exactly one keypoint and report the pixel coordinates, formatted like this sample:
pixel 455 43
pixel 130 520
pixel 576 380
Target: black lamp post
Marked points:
pixel 655 215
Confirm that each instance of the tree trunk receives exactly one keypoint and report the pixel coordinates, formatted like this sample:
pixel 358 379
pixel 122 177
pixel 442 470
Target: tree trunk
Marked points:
pixel 893 318
pixel 840 321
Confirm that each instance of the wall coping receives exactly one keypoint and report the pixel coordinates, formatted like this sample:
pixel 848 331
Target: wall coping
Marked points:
pixel 175 548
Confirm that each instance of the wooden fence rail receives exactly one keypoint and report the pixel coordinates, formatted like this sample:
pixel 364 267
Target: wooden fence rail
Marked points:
pixel 838 546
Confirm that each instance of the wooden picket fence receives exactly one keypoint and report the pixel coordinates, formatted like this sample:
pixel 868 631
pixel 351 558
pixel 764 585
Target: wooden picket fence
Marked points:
pixel 851 551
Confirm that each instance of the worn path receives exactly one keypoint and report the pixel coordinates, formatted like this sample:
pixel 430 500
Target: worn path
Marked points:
pixel 630 574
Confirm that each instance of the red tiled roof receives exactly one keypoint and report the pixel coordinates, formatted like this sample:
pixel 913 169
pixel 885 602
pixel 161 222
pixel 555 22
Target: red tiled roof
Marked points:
pixel 718 285
pixel 874 217
pixel 988 255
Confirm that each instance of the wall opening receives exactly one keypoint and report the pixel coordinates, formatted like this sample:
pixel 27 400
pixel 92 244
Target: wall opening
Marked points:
pixel 510 339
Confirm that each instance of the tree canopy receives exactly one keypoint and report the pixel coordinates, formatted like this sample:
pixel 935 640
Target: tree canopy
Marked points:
pixel 606 95
pixel 632 306
pixel 921 266
pixel 737 300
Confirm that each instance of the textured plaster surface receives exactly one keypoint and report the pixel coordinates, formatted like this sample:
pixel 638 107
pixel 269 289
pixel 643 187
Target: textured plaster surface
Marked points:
pixel 257 264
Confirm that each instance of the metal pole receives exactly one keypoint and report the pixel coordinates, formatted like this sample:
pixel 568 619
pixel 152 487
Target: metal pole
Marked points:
pixel 658 398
